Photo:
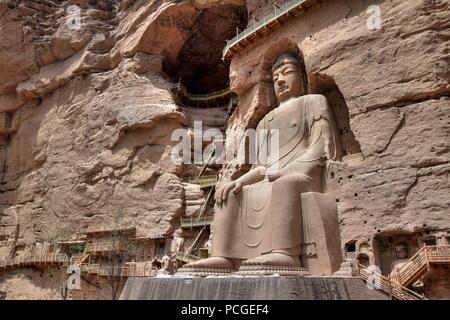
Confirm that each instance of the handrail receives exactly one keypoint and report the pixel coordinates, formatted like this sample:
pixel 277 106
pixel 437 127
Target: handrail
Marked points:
pixel 205 205
pixel 285 9
pixel 203 96
pixel 208 161
pixel 420 261
pixel 196 242
pixel 385 284
pixel 187 257
pixel 196 222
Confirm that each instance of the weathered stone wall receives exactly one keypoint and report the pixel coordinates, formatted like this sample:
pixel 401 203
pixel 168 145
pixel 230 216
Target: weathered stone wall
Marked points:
pixel 86 115
pixel 35 284
pixel 268 288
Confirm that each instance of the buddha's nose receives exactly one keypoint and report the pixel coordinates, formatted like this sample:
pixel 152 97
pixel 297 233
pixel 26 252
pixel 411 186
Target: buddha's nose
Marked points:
pixel 281 82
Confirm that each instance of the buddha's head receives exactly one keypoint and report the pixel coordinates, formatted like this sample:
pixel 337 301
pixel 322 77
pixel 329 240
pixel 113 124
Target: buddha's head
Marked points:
pixel 401 251
pixel 289 77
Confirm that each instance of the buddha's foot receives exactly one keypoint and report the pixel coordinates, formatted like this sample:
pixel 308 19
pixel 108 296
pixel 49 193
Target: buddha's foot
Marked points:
pixel 215 266
pixel 273 263
pixel 274 259
pixel 269 270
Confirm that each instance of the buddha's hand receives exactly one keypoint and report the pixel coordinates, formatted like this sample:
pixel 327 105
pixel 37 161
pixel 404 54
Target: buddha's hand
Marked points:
pixel 223 191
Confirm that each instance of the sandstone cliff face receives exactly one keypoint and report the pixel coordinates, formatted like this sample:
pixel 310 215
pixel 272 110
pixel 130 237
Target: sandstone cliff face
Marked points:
pixel 87 114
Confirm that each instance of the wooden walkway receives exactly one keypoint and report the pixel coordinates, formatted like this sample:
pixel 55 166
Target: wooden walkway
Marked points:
pixel 267 25
pixel 35 260
pixel 216 99
pixel 126 270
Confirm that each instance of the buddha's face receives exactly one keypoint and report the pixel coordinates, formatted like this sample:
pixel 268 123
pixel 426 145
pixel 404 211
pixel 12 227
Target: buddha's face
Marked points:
pixel 401 252
pixel 287 80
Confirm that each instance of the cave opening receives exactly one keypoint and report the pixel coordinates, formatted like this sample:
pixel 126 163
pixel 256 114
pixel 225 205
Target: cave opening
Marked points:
pixel 199 66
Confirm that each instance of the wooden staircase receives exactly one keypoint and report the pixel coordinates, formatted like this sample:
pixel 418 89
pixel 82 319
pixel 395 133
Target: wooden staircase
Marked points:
pixel 380 282
pixel 420 264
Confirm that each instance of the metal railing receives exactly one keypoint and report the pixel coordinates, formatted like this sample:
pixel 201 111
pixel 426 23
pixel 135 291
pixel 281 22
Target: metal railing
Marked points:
pixel 196 242
pixel 193 222
pixel 385 284
pixel 187 258
pixel 105 246
pixel 121 270
pixel 201 97
pixel 204 207
pixel 285 9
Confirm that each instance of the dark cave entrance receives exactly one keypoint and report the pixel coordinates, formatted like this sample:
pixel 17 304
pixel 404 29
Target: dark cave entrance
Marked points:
pixel 199 66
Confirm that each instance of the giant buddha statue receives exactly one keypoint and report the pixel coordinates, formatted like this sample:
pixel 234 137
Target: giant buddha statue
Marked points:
pixel 258 220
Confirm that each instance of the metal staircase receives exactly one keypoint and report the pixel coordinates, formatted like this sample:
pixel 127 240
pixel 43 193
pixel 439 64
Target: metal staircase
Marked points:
pixel 201 221
pixel 195 244
pixel 187 258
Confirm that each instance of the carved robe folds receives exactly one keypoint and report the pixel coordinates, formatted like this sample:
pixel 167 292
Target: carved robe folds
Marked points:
pixel 267 216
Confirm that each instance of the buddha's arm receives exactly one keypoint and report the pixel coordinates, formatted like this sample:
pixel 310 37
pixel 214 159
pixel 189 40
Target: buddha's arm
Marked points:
pixel 253 176
pixel 316 154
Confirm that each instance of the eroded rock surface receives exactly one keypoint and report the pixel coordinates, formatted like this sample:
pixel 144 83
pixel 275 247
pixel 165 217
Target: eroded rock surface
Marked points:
pixel 88 115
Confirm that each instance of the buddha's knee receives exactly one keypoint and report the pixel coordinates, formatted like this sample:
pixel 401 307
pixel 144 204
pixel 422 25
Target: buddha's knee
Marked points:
pixel 297 183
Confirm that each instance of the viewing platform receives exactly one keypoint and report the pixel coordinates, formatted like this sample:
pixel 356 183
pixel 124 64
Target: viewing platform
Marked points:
pixel 265 26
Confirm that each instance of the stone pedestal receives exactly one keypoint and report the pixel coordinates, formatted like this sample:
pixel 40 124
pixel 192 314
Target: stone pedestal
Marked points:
pixel 249 288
